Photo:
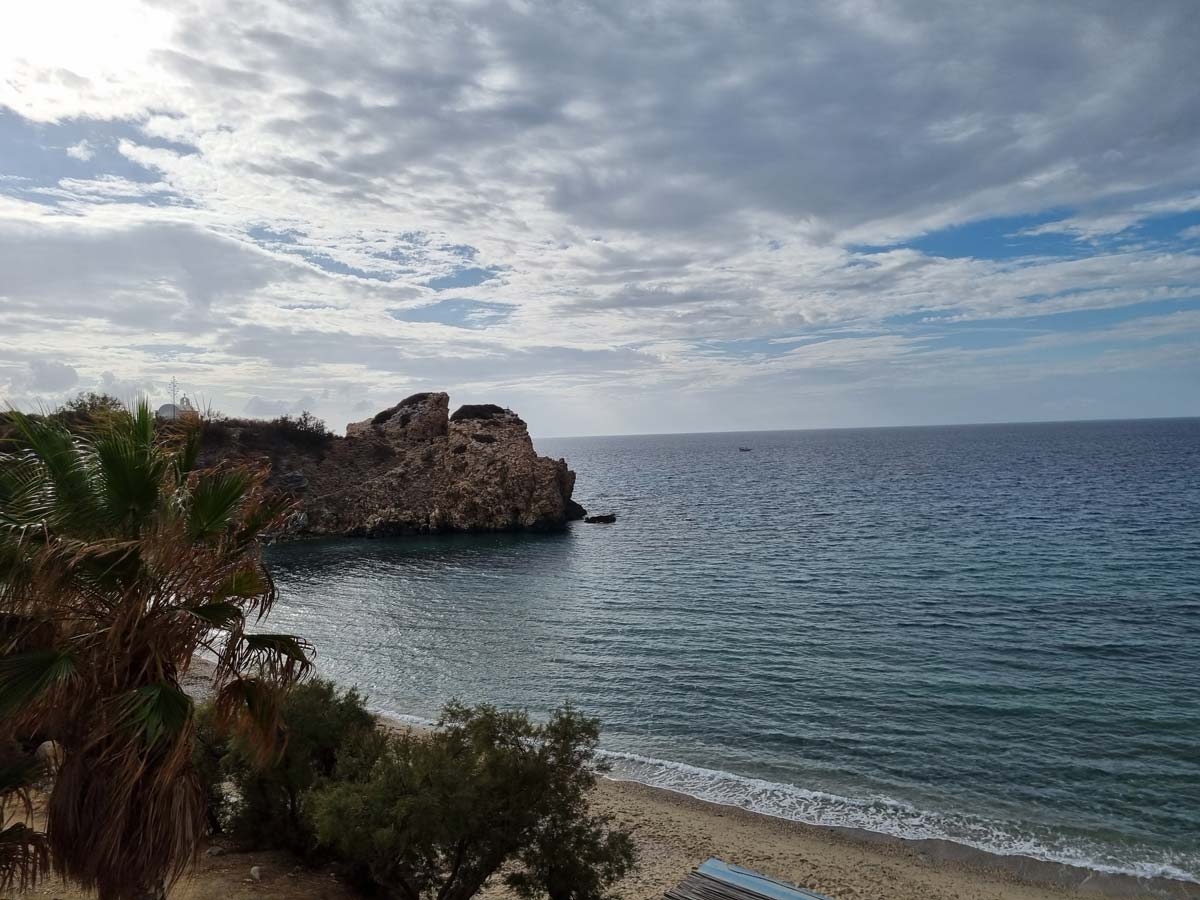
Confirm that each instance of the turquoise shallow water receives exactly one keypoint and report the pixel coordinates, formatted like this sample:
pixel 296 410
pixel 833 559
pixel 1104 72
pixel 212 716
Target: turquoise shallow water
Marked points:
pixel 989 634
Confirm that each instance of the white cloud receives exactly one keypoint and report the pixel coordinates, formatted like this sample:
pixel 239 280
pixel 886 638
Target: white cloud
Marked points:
pixel 686 178
pixel 48 376
pixel 83 151
pixel 1089 227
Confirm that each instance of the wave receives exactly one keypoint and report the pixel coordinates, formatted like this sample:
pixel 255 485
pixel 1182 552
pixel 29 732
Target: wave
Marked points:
pixel 896 818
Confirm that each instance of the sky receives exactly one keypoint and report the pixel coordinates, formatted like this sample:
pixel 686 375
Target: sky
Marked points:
pixel 614 217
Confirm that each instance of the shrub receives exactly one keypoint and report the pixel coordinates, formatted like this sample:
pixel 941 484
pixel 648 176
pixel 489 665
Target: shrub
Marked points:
pixel 305 430
pixel 439 814
pixel 87 410
pixel 573 857
pixel 327 733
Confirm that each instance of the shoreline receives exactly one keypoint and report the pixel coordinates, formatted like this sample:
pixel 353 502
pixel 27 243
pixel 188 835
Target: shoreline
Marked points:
pixel 675 832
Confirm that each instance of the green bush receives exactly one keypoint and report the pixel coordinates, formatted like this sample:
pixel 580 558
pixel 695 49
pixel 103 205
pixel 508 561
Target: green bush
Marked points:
pixel 575 856
pixel 439 814
pixel 327 735
pixel 304 430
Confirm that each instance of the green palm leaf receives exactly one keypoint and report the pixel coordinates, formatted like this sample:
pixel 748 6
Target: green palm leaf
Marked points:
pixel 67 483
pixel 25 676
pixel 216 615
pixel 244 584
pixel 159 711
pixel 284 645
pixel 131 475
pixel 187 455
pixel 215 499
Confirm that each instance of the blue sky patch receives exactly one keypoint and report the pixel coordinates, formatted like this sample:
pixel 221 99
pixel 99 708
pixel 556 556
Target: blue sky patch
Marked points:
pixel 43 153
pixel 265 235
pixel 337 267
pixel 1000 238
pixel 458 312
pixel 462 278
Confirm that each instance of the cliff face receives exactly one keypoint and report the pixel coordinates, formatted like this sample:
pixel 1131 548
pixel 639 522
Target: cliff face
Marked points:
pixel 415 469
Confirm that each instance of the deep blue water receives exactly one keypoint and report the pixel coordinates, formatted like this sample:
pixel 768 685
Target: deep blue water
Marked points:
pixel 984 633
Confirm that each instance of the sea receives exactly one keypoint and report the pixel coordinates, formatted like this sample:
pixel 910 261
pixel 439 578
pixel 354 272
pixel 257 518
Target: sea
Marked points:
pixel 987 634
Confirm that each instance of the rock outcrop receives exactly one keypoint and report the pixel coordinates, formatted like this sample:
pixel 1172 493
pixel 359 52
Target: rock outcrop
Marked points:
pixel 415 469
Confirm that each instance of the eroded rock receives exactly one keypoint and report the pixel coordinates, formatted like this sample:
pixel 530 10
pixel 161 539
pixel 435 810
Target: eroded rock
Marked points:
pixel 415 469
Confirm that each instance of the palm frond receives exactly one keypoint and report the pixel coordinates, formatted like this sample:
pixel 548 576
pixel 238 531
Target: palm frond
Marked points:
pixel 266 647
pixel 245 583
pixel 25 676
pixel 261 517
pixel 252 705
pixel 114 548
pixel 67 480
pixel 24 857
pixel 131 476
pixel 157 712
pixel 143 427
pixel 214 501
pixel 220 614
pixel 188 453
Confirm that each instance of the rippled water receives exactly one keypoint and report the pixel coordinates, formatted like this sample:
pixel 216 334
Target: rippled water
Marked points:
pixel 984 633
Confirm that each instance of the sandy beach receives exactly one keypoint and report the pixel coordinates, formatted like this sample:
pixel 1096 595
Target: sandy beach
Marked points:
pixel 674 833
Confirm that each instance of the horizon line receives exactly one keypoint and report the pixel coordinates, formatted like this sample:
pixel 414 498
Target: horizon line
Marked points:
pixel 565 437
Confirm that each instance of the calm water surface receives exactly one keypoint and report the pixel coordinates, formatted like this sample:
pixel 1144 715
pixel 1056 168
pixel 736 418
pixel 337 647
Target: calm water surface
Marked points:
pixel 986 633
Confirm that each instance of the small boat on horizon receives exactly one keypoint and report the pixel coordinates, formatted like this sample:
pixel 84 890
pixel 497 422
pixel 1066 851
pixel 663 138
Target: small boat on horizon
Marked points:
pixel 745 449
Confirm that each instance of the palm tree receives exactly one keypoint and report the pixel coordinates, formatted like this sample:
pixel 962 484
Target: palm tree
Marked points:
pixel 119 561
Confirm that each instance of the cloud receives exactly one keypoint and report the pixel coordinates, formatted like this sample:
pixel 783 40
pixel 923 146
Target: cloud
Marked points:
pixel 46 376
pixel 261 408
pixel 628 197
pixel 140 275
pixel 83 151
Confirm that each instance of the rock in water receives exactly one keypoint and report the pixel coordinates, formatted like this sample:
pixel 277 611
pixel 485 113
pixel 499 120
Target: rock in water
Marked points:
pixel 415 469
pixel 602 519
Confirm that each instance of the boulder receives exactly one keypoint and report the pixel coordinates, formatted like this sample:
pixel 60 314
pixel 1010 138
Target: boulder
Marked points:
pixel 415 469
pixel 602 519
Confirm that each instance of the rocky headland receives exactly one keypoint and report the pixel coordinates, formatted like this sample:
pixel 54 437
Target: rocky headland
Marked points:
pixel 411 469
